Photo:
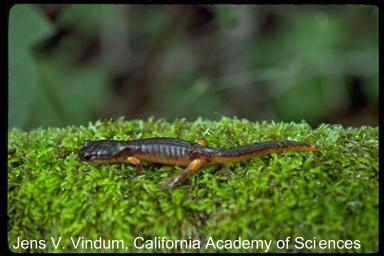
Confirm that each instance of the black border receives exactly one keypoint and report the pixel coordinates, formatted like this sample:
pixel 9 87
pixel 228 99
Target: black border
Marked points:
pixel 4 75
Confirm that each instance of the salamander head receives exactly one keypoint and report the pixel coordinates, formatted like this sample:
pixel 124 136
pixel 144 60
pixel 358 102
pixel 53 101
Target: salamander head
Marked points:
pixel 101 150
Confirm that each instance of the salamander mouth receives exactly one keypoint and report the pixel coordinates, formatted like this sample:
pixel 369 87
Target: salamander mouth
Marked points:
pixel 92 157
pixel 85 156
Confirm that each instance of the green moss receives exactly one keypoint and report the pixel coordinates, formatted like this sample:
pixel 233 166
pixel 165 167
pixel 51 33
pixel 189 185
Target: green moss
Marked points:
pixel 331 194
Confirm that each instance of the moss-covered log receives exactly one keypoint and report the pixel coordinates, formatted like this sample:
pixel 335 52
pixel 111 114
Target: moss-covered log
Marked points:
pixel 327 195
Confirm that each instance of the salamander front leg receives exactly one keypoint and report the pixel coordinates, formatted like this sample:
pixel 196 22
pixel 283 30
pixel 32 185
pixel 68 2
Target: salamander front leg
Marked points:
pixel 135 161
pixel 192 167
pixel 202 142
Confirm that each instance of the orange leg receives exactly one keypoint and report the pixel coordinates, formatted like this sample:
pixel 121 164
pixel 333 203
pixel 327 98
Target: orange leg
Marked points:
pixel 137 163
pixel 192 167
pixel 131 137
pixel 202 142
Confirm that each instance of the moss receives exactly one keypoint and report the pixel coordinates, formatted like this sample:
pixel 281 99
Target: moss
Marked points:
pixel 331 194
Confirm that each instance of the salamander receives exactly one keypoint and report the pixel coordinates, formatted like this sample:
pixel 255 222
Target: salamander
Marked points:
pixel 179 152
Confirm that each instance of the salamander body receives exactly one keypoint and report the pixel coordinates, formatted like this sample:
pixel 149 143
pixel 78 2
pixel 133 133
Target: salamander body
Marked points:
pixel 180 152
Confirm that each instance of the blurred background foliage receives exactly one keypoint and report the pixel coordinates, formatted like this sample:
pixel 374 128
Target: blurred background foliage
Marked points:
pixel 70 64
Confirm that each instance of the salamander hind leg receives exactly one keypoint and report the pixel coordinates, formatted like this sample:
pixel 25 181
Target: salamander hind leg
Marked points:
pixel 192 167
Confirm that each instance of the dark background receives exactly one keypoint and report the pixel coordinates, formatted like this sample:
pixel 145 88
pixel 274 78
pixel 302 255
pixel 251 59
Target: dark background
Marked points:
pixel 71 64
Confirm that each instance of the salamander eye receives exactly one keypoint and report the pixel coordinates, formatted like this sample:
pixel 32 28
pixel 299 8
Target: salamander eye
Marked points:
pixel 87 143
pixel 87 157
